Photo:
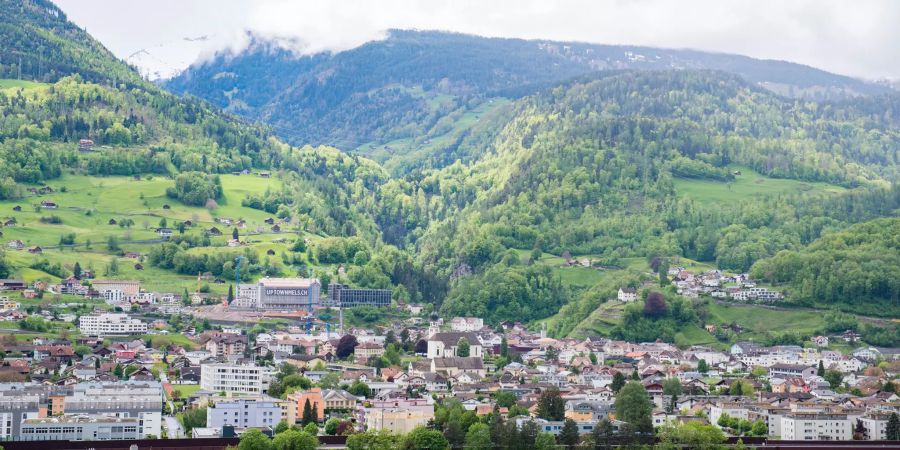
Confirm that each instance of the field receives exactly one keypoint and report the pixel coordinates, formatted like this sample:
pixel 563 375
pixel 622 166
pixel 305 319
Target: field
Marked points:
pixel 86 205
pixel 748 184
pixel 761 319
pixel 19 84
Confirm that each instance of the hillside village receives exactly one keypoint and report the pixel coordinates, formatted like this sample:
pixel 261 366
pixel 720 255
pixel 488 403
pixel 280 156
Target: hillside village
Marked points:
pixel 145 350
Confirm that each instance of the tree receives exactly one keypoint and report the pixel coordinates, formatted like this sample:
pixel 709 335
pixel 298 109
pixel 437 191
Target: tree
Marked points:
pixel 421 438
pixel 294 440
pixel 254 439
pixel 346 345
pixel 834 378
pixel 504 347
pixel 311 428
pixel 76 271
pixel 331 426
pixel 234 234
pixel 759 428
pixel 672 386
pixel 602 434
pixel 373 440
pixel 893 428
pixel 360 389
pixel 545 441
pixel 633 406
pixel 552 355
pixel 112 243
pixel 230 293
pixel 655 305
pixel 551 405
pixel 694 435
pixel 281 427
pixel 163 223
pixel 310 413
pixel 821 370
pixel 618 381
pixel 702 366
pixel 192 418
pixel 479 437
pixel 462 347
pixel 568 436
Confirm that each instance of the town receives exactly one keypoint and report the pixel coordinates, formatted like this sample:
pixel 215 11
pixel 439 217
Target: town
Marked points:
pixel 276 355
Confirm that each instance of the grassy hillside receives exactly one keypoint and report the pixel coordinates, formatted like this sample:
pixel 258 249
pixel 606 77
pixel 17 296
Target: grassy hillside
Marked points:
pixel 748 185
pixel 89 203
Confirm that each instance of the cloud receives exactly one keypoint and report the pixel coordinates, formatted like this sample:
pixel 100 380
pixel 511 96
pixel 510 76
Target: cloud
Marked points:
pixel 857 38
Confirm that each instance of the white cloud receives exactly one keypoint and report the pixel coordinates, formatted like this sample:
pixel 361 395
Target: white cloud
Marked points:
pixel 856 38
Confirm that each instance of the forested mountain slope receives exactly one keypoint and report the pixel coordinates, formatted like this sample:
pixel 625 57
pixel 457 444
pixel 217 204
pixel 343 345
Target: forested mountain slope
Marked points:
pixel 412 83
pixel 590 167
pixel 84 92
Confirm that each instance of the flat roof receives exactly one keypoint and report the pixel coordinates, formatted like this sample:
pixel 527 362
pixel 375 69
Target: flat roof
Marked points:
pixel 288 282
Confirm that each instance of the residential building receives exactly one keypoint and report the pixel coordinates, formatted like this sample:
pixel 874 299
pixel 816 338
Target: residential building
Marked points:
pixel 245 412
pixel 627 295
pixel 808 426
pixel 464 324
pixel 110 324
pixel 224 345
pixel 398 415
pixel 782 370
pixel 80 427
pixel 366 350
pixel 129 288
pixel 140 401
pixel 235 378
pixel 315 399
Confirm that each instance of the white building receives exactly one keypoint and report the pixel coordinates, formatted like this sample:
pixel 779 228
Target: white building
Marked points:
pixel 627 295
pixel 255 412
pixel 466 324
pixel 816 426
pixel 446 345
pixel 235 378
pixel 875 424
pixel 110 324
pixel 281 294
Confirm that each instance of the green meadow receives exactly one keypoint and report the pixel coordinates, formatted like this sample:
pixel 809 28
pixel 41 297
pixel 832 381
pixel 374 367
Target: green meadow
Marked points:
pixel 87 204
pixel 749 184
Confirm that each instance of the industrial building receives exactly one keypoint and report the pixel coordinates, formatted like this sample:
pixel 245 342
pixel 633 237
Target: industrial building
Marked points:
pixel 343 296
pixel 280 294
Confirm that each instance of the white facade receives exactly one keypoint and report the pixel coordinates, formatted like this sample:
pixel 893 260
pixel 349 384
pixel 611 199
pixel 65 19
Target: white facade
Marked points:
pixel 800 427
pixel 627 295
pixel 258 412
pixel 876 427
pixel 234 378
pixel 110 324
pixel 466 324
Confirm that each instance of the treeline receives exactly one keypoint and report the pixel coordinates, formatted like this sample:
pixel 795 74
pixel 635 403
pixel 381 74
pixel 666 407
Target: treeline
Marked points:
pixel 195 188
pixel 856 268
pixel 220 264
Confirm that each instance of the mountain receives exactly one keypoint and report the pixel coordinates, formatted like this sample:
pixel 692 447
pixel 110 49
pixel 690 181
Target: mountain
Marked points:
pixel 426 89
pixel 508 159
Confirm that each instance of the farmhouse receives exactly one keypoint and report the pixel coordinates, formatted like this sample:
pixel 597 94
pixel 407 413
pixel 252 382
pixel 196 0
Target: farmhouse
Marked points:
pixel 627 295
pixel 48 204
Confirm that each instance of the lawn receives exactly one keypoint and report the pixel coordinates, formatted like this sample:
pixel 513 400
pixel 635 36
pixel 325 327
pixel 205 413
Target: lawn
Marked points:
pixel 162 340
pixel 748 184
pixel 762 320
pixel 186 390
pixel 20 84
pixel 87 204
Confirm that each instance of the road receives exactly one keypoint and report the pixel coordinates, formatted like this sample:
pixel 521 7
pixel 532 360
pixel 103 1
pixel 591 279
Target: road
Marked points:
pixel 173 427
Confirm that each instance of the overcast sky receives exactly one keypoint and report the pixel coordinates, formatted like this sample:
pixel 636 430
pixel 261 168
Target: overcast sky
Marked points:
pixel 859 37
